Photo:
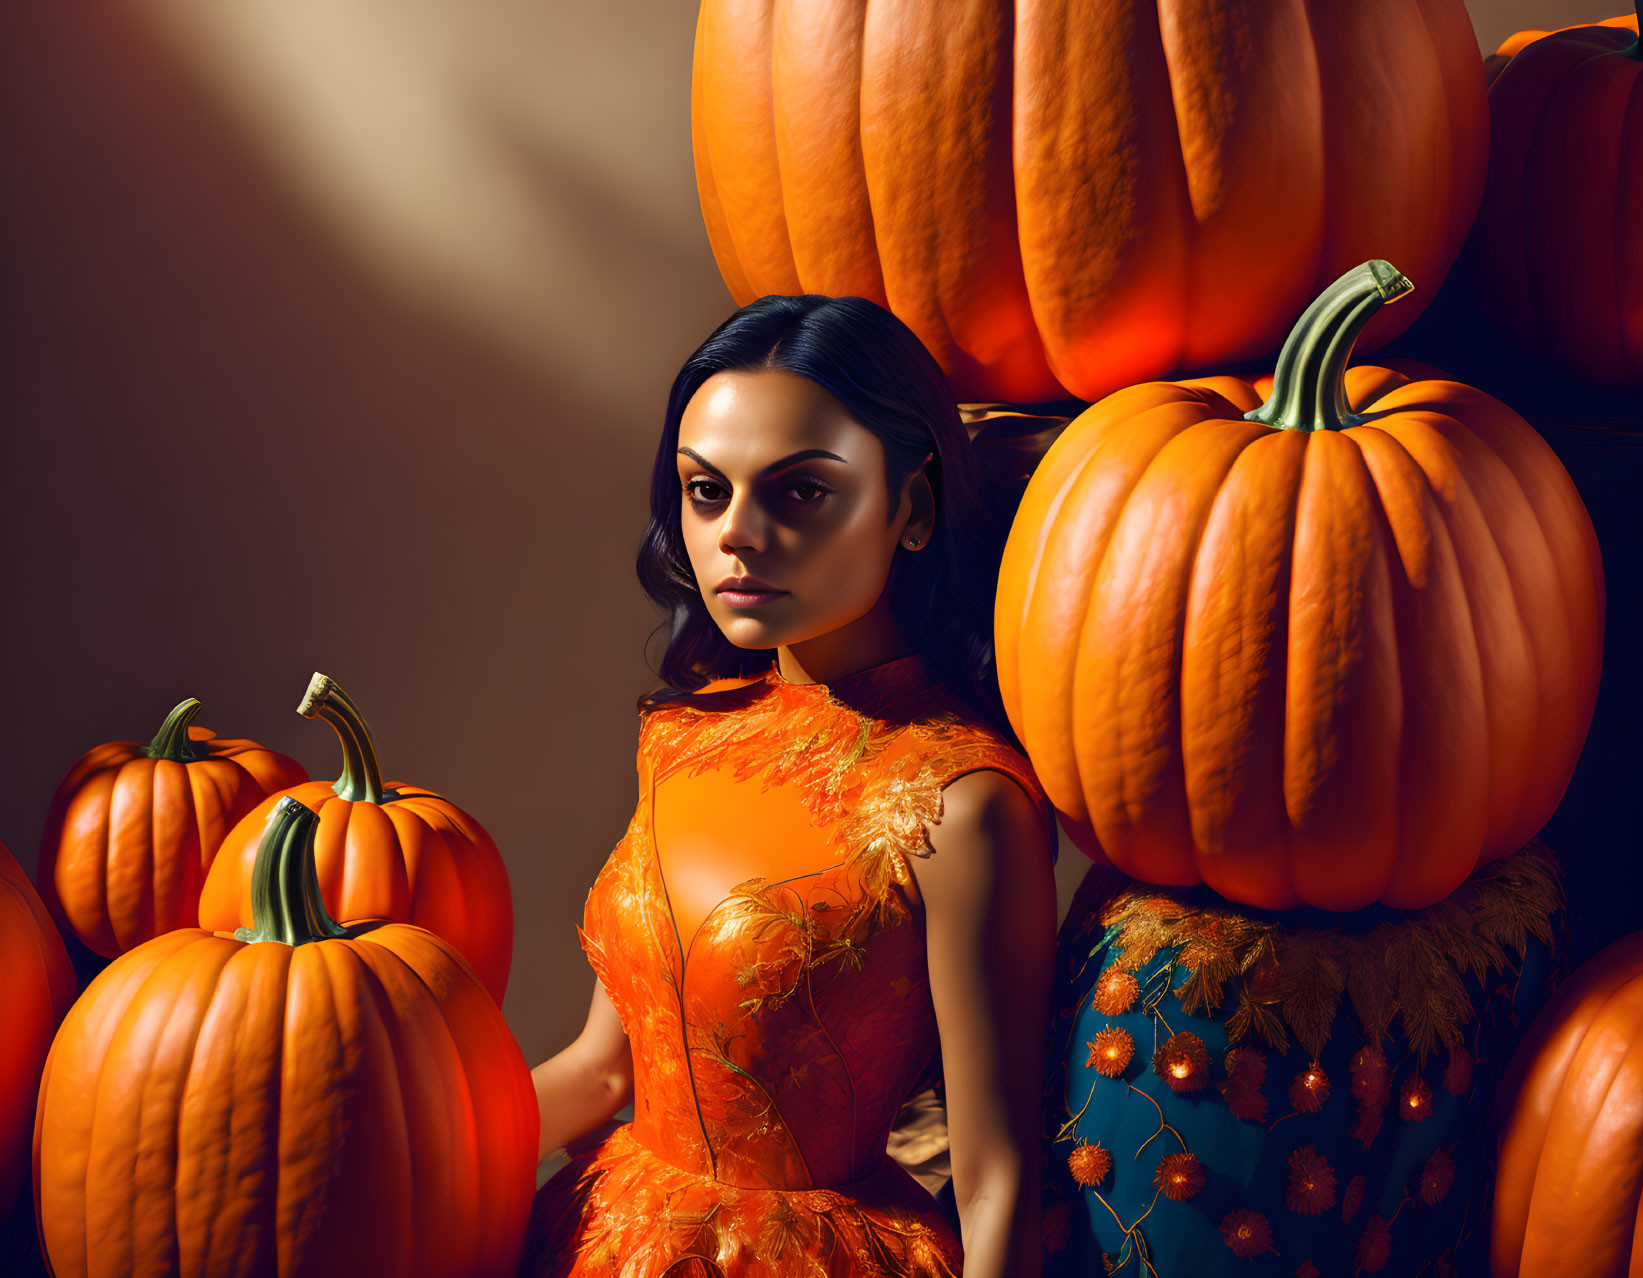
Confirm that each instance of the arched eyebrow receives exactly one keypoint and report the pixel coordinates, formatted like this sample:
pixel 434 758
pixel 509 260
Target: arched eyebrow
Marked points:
pixel 792 459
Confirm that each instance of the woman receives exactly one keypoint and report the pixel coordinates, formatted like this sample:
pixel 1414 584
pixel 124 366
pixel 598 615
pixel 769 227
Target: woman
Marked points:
pixel 835 862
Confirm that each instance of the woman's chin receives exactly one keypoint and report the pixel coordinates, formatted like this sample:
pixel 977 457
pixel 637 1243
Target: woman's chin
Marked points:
pixel 752 632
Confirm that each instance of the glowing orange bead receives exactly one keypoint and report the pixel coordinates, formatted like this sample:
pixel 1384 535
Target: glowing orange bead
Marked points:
pixel 1309 1091
pixel 1179 1176
pixel 1111 1051
pixel 1182 1061
pixel 1115 992
pixel 1090 1164
pixel 1415 1101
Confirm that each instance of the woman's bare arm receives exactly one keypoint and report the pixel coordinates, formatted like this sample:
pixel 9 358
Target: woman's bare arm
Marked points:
pixel 989 902
pixel 583 1086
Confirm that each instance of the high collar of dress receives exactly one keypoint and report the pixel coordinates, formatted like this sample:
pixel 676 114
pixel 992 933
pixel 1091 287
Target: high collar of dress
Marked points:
pixel 867 691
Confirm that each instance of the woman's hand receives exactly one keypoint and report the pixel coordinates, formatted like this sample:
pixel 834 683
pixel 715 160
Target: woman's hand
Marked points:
pixel 989 904
pixel 584 1085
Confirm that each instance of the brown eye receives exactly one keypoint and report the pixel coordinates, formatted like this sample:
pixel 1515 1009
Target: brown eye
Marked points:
pixel 807 491
pixel 704 492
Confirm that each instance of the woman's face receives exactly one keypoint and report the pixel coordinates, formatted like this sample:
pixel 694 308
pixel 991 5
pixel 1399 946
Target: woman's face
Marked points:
pixel 786 515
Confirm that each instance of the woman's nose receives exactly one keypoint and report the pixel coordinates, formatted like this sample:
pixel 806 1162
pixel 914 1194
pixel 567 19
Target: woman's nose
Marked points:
pixel 744 527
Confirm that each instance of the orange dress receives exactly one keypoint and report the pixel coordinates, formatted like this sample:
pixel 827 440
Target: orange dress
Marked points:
pixel 774 1043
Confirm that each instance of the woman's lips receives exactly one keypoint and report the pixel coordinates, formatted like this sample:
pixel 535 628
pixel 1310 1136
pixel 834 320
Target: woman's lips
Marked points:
pixel 749 598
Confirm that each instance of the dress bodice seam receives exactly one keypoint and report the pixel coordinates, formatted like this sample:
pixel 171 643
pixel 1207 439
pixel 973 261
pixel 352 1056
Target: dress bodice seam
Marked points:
pixel 649 837
pixel 653 860
pixel 732 895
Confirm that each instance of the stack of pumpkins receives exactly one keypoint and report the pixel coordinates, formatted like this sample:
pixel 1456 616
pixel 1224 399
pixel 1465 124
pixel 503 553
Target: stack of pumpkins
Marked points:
pixel 1327 642
pixel 268 1090
pixel 1305 660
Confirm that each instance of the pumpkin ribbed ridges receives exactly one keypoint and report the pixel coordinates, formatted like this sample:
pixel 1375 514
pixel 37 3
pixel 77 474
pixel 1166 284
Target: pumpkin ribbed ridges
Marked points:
pixel 1569 1114
pixel 1325 667
pixel 345 1105
pixel 132 829
pixel 1063 199
pixel 384 851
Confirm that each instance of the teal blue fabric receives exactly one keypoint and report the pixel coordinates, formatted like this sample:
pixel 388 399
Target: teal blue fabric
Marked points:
pixel 1246 1163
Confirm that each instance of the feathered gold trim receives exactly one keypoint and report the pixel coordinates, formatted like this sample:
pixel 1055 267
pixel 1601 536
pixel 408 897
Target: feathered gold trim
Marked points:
pixel 1283 980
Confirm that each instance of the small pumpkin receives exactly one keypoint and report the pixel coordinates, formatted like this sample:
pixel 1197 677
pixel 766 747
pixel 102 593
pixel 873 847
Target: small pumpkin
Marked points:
pixel 38 988
pixel 132 829
pixel 1557 252
pixel 299 1097
pixel 1569 1118
pixel 1329 649
pixel 1057 196
pixel 393 851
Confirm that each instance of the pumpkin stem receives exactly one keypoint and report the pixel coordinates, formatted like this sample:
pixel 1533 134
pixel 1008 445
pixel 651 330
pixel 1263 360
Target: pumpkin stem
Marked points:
pixel 361 779
pixel 286 905
pixel 1309 387
pixel 172 742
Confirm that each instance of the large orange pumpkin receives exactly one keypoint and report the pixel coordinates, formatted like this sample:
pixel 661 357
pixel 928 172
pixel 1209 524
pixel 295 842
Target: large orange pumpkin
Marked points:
pixel 37 990
pixel 132 829
pixel 1330 649
pixel 393 851
pixel 1569 1185
pixel 298 1098
pixel 1073 195
pixel 1558 248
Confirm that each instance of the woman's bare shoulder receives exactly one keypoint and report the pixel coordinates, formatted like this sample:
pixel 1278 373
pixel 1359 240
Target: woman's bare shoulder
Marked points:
pixel 990 831
pixel 987 804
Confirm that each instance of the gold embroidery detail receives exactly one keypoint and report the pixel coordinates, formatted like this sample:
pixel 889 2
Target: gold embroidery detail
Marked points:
pixel 877 782
pixel 1290 980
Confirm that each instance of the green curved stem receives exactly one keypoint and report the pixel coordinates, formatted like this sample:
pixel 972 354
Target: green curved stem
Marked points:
pixel 1309 387
pixel 171 741
pixel 361 779
pixel 286 905
pixel 1635 52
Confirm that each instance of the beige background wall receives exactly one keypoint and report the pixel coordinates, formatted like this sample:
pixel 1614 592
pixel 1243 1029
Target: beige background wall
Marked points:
pixel 335 336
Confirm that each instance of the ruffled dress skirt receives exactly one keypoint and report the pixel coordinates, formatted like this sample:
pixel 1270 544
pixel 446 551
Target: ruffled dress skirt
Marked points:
pixel 619 1211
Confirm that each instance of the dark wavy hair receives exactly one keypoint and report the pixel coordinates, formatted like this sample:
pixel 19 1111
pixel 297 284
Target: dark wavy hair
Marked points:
pixel 941 597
